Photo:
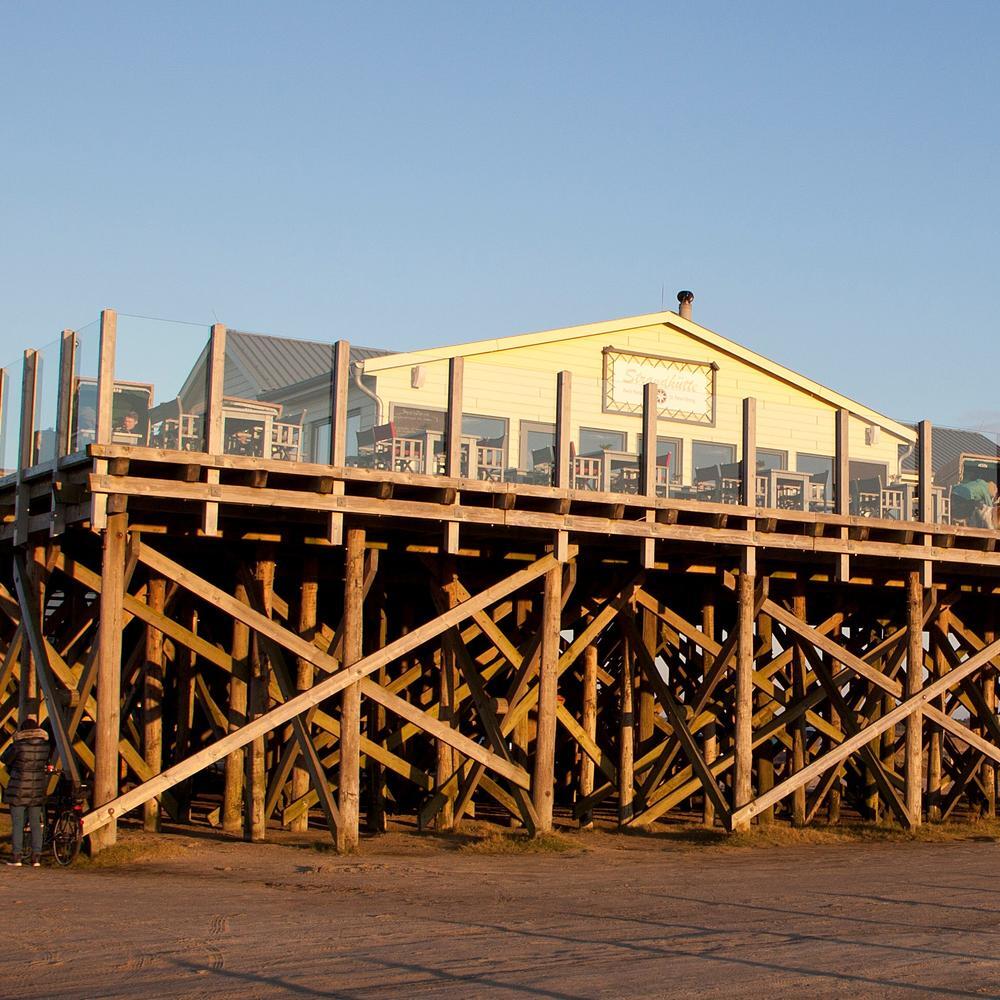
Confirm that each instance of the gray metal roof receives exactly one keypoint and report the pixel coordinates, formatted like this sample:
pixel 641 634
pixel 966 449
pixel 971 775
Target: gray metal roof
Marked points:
pixel 949 443
pixel 258 364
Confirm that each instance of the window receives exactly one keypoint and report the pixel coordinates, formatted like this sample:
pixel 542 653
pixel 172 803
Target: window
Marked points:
pixel 705 454
pixel 319 438
pixel 412 421
pixel 868 470
pixel 593 440
pixel 534 437
pixel 484 428
pixel 666 446
pixel 817 465
pixel 768 459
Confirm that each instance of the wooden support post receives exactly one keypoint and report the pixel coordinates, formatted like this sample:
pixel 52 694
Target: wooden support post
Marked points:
pixel 232 804
pixel 305 672
pixel 647 466
pixel 647 699
pixel 260 679
pixel 913 759
pixel 989 684
pixel 152 699
pixel 925 483
pixel 834 795
pixel 748 470
pixel 27 689
pixel 375 814
pixel 710 744
pixel 105 414
pixel 935 736
pixel 109 667
pixel 842 487
pixel 64 413
pixel 563 476
pixel 447 758
pixel 765 760
pixel 588 721
pixel 349 783
pixel 453 441
pixel 743 750
pixel 339 389
pixel 214 442
pixel 184 672
pixel 626 733
pixel 26 444
pixel 799 669
pixel 543 778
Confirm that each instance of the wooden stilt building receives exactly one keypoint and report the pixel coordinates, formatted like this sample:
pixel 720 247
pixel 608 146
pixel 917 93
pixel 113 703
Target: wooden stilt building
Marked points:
pixel 626 571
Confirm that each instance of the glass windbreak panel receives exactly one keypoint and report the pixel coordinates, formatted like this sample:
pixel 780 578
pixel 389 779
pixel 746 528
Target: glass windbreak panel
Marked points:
pixel 966 471
pixel 594 440
pixel 43 444
pixel 276 398
pixel 404 431
pixel 796 443
pixel 83 393
pixel 160 378
pixel 508 420
pixel 881 481
pixel 716 473
pixel 669 464
pixel 10 416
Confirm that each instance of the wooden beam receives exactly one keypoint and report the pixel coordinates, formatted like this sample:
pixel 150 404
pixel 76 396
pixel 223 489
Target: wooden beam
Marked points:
pixel 152 697
pixel 349 781
pixel 320 692
pixel 913 753
pixel 543 778
pixel 109 667
pixel 748 466
pixel 743 735
pixel 887 721
pixel 104 418
pixel 214 430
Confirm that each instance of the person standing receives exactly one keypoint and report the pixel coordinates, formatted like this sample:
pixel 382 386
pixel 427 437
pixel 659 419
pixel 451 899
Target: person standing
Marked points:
pixel 28 760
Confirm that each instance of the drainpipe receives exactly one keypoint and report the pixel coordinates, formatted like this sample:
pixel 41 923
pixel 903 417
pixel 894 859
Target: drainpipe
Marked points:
pixel 685 299
pixel 357 369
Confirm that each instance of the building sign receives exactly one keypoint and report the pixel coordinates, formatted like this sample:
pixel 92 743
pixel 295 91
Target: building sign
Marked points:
pixel 685 389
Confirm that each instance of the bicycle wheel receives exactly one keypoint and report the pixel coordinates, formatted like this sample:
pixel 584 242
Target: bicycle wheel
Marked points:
pixel 67 836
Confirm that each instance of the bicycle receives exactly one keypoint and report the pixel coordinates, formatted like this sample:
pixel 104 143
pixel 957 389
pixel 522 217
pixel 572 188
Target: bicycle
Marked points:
pixel 63 819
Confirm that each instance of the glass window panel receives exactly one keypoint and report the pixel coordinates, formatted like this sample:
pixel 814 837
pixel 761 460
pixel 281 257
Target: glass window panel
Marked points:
pixel 706 453
pixel 593 440
pixel 768 459
pixel 817 465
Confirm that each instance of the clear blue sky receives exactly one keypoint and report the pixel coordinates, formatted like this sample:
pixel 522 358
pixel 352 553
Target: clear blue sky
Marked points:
pixel 823 176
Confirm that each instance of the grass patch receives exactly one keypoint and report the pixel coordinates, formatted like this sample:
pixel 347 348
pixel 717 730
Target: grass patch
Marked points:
pixel 517 842
pixel 783 835
pixel 131 851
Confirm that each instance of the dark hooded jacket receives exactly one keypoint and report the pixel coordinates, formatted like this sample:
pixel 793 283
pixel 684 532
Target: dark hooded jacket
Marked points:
pixel 27 760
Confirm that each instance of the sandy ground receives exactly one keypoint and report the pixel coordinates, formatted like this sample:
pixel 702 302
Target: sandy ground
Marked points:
pixel 186 916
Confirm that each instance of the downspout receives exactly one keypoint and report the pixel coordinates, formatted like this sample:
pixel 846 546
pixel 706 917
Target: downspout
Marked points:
pixel 357 368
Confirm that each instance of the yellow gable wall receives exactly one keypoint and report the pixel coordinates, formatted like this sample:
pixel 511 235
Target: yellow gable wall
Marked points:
pixel 519 384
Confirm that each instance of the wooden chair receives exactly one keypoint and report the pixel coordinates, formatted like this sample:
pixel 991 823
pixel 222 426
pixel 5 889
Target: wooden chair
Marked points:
pixel 543 463
pixel 286 438
pixel 817 500
pixel 587 472
pixel 707 482
pixel 730 482
pixel 491 457
pixel 866 497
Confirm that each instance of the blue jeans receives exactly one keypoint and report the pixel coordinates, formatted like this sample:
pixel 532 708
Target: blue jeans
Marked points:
pixel 17 814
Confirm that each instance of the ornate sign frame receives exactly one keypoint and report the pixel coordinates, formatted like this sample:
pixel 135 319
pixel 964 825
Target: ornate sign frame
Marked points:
pixel 683 383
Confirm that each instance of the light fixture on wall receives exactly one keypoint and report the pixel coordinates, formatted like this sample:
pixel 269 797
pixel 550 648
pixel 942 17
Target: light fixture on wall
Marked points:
pixel 871 435
pixel 417 377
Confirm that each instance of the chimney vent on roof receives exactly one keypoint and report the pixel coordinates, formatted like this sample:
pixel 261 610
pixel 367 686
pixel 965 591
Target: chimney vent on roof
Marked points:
pixel 685 298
